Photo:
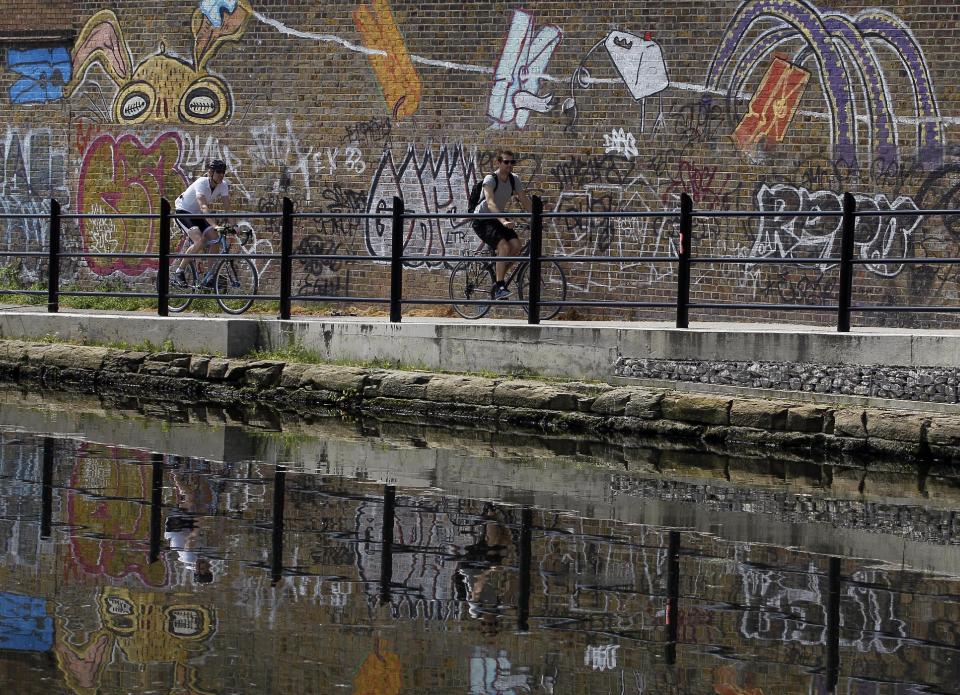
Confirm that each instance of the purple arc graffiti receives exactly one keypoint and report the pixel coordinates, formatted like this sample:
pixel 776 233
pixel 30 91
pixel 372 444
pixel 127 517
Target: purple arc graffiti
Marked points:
pixel 883 134
pixel 881 127
pixel 891 29
pixel 805 21
pixel 838 41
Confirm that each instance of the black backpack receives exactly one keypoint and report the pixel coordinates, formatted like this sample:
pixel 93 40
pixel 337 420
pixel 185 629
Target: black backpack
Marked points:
pixel 476 193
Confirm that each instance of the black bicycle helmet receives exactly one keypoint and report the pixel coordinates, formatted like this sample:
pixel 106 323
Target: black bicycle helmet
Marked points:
pixel 217 165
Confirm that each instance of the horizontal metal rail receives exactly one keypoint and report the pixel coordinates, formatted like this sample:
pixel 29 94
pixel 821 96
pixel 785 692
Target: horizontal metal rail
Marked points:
pixel 348 300
pixel 906 308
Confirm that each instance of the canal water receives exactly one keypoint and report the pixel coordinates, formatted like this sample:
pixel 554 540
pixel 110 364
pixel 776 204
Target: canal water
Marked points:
pixel 146 548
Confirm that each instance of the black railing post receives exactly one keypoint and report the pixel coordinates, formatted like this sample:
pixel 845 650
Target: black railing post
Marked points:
pixel 849 228
pixel 156 505
pixel 386 536
pixel 46 488
pixel 536 250
pixel 276 547
pixel 526 556
pixel 673 595
pixel 286 263
pixel 396 265
pixel 163 267
pixel 53 273
pixel 833 624
pixel 683 266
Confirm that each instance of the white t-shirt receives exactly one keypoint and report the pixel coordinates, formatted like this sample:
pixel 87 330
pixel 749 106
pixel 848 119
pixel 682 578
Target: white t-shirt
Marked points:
pixel 502 193
pixel 188 199
pixel 178 541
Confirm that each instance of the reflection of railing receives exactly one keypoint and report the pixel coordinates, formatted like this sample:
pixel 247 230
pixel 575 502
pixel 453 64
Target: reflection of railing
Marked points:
pixel 775 590
pixel 402 221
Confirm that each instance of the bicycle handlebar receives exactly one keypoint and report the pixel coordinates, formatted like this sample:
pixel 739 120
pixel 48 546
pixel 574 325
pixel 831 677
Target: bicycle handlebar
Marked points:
pixel 232 229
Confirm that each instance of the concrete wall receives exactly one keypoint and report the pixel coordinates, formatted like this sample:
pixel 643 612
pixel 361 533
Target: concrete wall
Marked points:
pixel 735 355
pixel 746 105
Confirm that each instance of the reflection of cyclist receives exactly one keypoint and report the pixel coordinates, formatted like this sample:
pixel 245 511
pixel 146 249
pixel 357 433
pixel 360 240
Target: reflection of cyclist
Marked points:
pixel 196 201
pixel 498 233
pixel 476 581
pixel 194 498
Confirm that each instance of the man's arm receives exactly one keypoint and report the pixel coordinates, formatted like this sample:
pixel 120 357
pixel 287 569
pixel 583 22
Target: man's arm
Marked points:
pixel 525 200
pixel 492 206
pixel 204 204
pixel 225 205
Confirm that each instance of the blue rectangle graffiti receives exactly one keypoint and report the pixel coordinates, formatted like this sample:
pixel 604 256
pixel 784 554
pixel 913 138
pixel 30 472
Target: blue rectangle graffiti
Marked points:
pixel 44 72
pixel 24 623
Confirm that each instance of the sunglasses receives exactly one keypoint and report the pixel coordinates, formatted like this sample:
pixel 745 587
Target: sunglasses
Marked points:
pixel 508 161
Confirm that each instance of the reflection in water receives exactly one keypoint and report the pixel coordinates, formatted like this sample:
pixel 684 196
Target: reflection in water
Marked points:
pixel 124 572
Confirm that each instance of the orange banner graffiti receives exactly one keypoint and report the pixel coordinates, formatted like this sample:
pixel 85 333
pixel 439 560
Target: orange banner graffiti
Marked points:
pixel 398 78
pixel 773 106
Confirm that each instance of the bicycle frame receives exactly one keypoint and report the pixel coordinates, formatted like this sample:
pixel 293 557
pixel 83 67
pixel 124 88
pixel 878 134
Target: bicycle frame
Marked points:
pixel 228 272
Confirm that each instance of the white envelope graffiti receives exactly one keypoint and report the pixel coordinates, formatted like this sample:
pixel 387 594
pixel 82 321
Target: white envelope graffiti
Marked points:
pixel 639 62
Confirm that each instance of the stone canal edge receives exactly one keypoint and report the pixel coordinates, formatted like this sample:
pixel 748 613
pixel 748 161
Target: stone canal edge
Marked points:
pixel 599 410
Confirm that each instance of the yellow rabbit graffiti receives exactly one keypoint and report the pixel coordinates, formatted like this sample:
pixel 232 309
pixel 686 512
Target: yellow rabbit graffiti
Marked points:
pixel 162 87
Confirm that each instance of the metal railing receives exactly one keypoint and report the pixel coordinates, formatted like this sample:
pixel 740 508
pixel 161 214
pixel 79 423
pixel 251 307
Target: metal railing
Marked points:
pixel 684 260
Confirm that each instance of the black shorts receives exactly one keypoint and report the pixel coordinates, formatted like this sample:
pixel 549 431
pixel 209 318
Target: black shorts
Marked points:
pixel 492 232
pixel 185 224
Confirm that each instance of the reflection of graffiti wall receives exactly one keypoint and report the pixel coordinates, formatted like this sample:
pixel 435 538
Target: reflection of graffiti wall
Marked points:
pixel 34 170
pixel 117 544
pixel 758 106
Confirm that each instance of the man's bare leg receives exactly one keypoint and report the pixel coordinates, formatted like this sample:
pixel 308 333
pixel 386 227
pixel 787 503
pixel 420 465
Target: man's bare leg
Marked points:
pixel 506 247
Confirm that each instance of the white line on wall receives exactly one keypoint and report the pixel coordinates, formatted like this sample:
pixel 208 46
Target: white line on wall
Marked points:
pixel 465 67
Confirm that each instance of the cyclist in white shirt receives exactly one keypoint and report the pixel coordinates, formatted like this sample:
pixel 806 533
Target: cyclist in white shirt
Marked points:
pixel 197 201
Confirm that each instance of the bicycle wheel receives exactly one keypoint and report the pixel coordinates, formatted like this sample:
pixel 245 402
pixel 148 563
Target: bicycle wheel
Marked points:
pixel 553 287
pixel 178 304
pixel 471 280
pixel 236 276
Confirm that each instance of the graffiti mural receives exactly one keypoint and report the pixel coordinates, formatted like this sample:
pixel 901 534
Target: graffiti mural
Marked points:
pixel 604 184
pixel 427 183
pixel 34 171
pixel 116 541
pixel 135 628
pixel 639 63
pixel 398 78
pixel 772 106
pixel 523 60
pixel 622 142
pixel 799 236
pixel 126 176
pixel 321 277
pixel 215 10
pixel 163 87
pixel 842 49
pixel 43 73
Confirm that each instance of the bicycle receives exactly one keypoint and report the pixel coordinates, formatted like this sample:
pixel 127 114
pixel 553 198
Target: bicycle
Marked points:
pixel 474 280
pixel 225 278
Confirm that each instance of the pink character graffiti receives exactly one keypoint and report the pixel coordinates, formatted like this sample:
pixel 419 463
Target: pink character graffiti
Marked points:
pixel 125 176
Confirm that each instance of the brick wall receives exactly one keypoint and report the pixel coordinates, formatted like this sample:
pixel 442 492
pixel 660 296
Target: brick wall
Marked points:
pixel 340 106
